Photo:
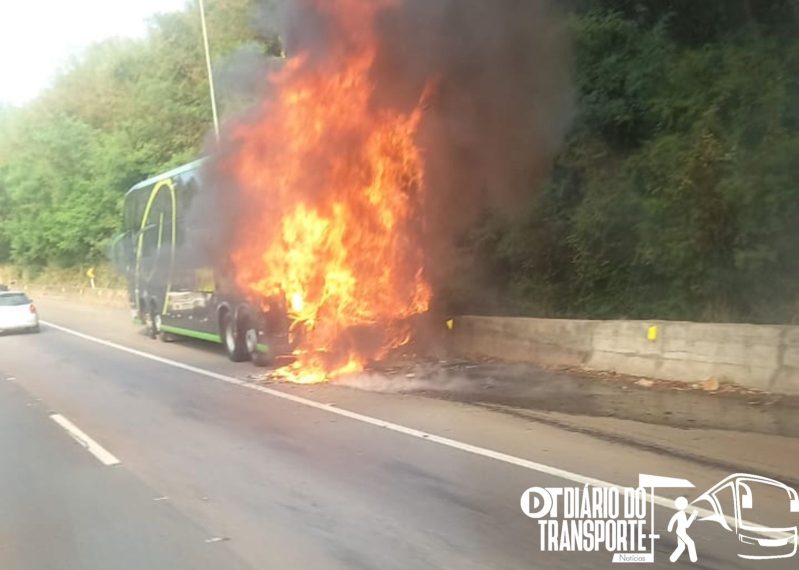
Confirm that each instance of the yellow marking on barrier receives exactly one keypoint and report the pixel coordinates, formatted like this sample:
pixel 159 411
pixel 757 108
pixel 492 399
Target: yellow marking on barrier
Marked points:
pixel 652 333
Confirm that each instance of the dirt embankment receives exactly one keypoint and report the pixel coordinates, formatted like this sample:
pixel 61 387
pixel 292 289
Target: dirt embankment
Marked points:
pixel 97 285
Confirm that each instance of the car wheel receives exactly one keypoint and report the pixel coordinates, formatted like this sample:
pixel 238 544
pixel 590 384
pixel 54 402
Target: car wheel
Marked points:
pixel 234 343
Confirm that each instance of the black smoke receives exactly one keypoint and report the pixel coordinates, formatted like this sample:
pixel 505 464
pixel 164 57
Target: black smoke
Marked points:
pixel 497 112
pixel 494 76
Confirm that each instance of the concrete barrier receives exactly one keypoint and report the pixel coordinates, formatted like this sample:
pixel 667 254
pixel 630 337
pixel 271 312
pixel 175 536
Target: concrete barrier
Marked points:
pixel 762 357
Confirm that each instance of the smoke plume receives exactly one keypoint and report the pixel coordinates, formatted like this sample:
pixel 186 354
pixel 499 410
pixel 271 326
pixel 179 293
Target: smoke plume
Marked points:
pixel 390 128
pixel 495 78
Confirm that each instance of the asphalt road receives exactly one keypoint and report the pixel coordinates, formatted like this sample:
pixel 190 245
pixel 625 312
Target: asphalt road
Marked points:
pixel 216 474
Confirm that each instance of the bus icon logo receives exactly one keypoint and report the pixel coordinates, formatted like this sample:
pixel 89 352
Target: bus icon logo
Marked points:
pixel 733 501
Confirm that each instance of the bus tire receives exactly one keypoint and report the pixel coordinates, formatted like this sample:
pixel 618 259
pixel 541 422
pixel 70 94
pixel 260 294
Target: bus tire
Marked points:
pixel 152 323
pixel 165 336
pixel 232 339
pixel 260 359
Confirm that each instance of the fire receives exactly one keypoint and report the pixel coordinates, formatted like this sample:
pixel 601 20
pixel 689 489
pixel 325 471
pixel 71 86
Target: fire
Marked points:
pixel 334 189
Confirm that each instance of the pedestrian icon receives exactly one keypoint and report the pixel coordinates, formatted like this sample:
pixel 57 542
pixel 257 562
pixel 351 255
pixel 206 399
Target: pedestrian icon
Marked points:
pixel 679 524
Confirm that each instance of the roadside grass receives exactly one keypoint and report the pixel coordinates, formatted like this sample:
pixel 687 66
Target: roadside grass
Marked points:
pixel 61 278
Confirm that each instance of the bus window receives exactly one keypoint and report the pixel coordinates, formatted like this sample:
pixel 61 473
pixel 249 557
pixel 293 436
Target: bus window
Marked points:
pixel 122 253
pixel 186 187
pixel 135 203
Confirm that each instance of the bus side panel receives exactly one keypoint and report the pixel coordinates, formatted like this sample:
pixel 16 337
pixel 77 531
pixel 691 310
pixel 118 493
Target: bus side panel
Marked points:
pixel 192 303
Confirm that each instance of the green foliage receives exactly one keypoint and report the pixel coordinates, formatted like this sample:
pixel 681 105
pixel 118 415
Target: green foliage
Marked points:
pixel 617 89
pixel 677 192
pixel 123 111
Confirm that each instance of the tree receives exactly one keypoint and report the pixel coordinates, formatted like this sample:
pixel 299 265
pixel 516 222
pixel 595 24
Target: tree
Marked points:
pixel 122 111
pixel 675 194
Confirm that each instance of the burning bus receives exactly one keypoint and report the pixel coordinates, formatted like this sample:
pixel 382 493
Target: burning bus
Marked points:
pixel 340 192
pixel 177 288
pixel 300 304
pixel 319 196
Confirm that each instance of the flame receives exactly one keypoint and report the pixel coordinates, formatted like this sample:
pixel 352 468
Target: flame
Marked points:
pixel 333 185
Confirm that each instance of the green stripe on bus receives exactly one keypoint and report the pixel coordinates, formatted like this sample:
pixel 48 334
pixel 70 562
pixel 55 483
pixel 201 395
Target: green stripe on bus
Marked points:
pixel 263 348
pixel 192 334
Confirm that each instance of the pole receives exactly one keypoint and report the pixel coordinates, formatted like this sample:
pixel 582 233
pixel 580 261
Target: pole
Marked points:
pixel 210 73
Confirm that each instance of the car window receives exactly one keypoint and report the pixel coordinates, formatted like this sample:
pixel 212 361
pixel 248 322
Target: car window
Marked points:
pixel 14 300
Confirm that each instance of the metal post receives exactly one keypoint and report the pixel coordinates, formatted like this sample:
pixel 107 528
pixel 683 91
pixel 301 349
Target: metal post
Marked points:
pixel 210 73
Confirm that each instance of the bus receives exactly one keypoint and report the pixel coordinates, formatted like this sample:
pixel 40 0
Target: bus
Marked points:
pixel 178 287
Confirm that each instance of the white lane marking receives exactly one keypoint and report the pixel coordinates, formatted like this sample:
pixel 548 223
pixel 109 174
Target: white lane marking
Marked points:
pixel 99 452
pixel 447 442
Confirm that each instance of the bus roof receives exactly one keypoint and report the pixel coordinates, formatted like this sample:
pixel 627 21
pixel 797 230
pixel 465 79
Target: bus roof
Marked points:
pixel 172 173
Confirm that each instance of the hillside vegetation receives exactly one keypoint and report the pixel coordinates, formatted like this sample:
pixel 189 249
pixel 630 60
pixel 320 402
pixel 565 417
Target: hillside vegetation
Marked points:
pixel 675 194
pixel 123 111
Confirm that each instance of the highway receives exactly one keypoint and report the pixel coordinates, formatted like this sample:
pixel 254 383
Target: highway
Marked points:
pixel 191 464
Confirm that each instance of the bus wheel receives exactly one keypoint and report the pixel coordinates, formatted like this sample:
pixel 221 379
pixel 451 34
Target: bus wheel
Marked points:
pixel 251 341
pixel 153 323
pixel 234 345
pixel 163 336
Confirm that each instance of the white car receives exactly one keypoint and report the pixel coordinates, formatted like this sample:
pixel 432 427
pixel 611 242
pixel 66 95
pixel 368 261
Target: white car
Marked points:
pixel 17 313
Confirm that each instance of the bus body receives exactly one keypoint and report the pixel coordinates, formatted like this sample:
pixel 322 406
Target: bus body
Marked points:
pixel 177 290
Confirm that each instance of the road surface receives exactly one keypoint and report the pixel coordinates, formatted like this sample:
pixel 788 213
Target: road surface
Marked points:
pixel 186 463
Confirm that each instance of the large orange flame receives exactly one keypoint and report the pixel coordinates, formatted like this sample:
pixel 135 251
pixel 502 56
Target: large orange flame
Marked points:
pixel 334 187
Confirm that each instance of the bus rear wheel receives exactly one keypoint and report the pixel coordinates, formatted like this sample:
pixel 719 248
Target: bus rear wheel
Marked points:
pixel 251 340
pixel 151 322
pixel 235 346
pixel 162 335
